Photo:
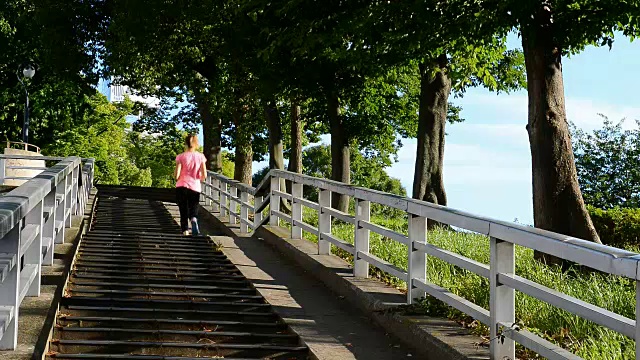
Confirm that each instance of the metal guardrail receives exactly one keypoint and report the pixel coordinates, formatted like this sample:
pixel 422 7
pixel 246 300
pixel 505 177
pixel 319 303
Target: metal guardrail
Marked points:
pixel 33 218
pixel 226 196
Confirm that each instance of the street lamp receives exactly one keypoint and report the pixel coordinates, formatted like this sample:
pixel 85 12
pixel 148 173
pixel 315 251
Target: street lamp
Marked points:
pixel 28 71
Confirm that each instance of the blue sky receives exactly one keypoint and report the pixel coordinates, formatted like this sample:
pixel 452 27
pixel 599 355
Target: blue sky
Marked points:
pixel 487 158
pixel 487 165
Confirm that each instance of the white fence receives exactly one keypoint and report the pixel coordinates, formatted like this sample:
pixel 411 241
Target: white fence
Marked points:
pixel 33 218
pixel 226 195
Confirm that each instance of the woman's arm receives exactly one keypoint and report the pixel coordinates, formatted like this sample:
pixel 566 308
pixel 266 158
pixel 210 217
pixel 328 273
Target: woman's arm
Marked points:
pixel 203 171
pixel 176 173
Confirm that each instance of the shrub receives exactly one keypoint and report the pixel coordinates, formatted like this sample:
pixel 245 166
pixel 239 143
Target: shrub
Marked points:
pixel 619 227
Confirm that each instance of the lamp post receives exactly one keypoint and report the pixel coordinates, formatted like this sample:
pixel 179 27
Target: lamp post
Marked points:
pixel 27 71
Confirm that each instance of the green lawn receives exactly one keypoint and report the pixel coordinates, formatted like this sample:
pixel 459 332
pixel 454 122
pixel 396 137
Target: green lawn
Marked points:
pixel 582 337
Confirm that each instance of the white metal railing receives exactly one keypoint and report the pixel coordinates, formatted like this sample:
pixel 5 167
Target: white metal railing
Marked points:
pixel 222 194
pixel 33 218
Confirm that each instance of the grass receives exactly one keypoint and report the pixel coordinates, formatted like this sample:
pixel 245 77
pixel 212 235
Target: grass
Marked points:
pixel 579 336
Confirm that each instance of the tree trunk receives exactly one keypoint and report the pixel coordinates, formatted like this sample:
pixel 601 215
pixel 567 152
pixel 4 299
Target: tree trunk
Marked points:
pixel 295 157
pixel 276 156
pixel 212 130
pixel 243 163
pixel 295 150
pixel 243 150
pixel 340 153
pixel 428 182
pixel 557 201
pixel 435 88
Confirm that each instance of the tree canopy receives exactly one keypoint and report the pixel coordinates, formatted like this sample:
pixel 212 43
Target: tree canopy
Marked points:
pixel 264 77
pixel 608 165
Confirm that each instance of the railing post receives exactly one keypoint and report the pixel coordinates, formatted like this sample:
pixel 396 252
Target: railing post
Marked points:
pixel 257 215
pixel 204 191
pixel 207 191
pixel 215 183
pixel 68 179
pixel 417 259
pixel 244 212
pixel 502 298
pixel 85 190
pixel 233 204
pixel 3 174
pixel 60 208
pixel 324 222
pixel 49 227
pixel 9 292
pixel 82 191
pixel 296 210
pixel 74 189
pixel 223 199
pixel 637 319
pixel 274 201
pixel 33 254
pixel 361 267
pixel 91 173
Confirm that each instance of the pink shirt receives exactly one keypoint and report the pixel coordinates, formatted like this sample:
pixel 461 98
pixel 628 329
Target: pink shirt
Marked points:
pixel 191 162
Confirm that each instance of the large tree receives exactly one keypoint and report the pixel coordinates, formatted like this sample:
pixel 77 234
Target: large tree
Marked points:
pixel 328 66
pixel 57 38
pixel 170 50
pixel 551 30
pixel 448 55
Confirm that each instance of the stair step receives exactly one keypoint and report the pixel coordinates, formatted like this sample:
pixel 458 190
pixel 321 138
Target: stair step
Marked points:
pixel 140 290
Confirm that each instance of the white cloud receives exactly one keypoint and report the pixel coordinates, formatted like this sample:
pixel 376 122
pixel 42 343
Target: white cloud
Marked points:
pixel 514 109
pixel 466 164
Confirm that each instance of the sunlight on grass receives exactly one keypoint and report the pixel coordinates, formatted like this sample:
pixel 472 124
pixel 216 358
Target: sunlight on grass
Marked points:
pixel 580 336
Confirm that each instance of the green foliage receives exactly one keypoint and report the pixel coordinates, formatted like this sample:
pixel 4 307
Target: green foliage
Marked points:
pixel 106 141
pixel 227 165
pixel 573 24
pixel 59 38
pixel 365 172
pixel 608 165
pixel 410 33
pixel 619 227
pixel 157 154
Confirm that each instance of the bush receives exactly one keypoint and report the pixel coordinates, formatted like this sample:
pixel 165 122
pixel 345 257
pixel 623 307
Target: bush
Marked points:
pixel 619 227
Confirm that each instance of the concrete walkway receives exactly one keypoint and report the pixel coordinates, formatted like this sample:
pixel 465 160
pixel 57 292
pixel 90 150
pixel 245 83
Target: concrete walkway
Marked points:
pixel 329 326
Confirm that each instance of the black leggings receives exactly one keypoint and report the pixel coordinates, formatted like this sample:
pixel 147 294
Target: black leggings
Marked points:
pixel 188 204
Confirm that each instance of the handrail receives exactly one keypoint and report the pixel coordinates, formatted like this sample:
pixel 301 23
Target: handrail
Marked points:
pixel 31 157
pixel 22 144
pixel 502 237
pixel 4 167
pixel 33 218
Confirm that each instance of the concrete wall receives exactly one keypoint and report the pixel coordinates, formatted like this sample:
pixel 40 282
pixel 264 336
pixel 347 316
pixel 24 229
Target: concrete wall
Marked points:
pixel 21 173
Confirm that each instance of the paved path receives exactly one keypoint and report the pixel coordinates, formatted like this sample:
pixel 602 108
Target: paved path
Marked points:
pixel 331 327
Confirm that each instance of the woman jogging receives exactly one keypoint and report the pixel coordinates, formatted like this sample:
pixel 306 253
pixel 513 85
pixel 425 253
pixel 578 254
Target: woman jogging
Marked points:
pixel 190 169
